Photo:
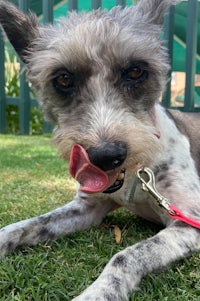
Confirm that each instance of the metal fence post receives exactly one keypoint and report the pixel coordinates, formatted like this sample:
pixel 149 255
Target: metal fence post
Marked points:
pixel 72 5
pixel 168 38
pixel 121 2
pixel 24 95
pixel 191 43
pixel 47 9
pixel 2 86
pixel 95 4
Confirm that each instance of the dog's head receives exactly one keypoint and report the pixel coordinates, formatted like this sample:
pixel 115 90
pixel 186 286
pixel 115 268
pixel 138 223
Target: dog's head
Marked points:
pixel 98 76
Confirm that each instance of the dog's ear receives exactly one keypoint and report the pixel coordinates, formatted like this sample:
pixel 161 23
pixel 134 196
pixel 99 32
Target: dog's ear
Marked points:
pixel 20 29
pixel 153 10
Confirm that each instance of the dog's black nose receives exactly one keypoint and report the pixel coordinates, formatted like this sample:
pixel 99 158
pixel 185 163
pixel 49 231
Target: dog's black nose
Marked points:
pixel 109 155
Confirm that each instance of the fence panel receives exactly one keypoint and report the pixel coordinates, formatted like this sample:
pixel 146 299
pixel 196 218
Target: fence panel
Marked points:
pixel 25 102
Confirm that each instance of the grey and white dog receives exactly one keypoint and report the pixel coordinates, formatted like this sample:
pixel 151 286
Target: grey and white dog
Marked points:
pixel 99 77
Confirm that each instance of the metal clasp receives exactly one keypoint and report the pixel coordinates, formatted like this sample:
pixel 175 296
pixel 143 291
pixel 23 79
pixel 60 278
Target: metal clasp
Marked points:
pixel 147 177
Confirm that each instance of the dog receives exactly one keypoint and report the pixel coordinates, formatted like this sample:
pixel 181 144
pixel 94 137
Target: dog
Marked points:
pixel 99 77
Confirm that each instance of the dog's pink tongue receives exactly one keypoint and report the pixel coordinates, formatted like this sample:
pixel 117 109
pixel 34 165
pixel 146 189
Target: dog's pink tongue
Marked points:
pixel 91 178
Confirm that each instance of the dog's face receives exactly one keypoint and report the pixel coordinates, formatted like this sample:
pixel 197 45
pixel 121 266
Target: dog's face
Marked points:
pixel 98 76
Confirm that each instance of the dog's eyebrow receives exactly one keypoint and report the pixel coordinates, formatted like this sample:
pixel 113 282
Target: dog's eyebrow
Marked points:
pixel 134 63
pixel 59 71
pixel 71 70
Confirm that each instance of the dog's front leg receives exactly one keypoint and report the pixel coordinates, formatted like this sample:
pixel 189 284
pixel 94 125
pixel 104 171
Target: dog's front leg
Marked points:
pixel 79 214
pixel 125 270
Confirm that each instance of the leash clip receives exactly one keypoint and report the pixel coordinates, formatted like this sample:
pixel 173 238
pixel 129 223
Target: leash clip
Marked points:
pixel 147 177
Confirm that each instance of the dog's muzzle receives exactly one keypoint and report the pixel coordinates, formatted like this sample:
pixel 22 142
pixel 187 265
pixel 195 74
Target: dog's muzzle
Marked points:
pixel 97 170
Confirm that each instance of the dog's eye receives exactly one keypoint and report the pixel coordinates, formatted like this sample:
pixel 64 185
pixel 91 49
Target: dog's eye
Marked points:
pixel 63 82
pixel 135 73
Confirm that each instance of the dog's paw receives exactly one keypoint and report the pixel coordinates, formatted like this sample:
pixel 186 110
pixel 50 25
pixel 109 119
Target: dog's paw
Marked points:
pixel 10 237
pixel 94 296
pixel 99 293
pixel 108 287
pixel 5 244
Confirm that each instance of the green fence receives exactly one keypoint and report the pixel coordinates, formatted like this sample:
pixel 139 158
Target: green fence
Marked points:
pixel 48 10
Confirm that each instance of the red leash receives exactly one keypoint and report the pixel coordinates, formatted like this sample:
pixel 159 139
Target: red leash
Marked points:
pixel 178 214
pixel 147 178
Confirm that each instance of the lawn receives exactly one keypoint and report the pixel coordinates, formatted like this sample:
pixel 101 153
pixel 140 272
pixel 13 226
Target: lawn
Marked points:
pixel 33 181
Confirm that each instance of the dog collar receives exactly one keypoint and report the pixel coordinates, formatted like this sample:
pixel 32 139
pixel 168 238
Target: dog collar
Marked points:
pixel 147 178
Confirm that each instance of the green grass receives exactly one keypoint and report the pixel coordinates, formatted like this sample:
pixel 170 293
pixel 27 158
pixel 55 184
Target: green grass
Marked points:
pixel 33 181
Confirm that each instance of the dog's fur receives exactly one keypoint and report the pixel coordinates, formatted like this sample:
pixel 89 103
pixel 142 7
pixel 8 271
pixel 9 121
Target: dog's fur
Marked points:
pixel 99 77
